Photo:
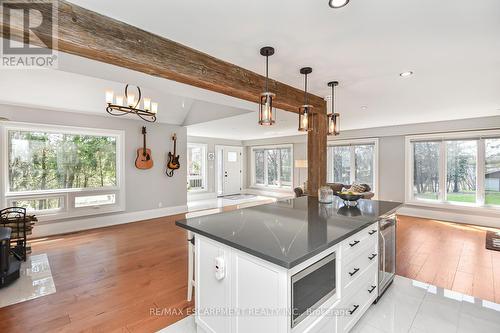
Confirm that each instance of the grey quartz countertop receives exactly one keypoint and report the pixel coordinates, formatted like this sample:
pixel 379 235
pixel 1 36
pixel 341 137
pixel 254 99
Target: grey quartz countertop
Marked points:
pixel 289 232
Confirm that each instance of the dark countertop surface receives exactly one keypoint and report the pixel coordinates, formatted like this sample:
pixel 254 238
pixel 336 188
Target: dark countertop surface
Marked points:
pixel 289 232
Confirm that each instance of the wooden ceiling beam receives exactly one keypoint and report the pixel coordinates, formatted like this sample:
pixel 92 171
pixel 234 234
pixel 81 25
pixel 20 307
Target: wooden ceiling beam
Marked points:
pixel 91 35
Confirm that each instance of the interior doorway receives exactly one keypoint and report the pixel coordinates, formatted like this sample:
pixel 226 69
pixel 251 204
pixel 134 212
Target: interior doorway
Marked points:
pixel 229 169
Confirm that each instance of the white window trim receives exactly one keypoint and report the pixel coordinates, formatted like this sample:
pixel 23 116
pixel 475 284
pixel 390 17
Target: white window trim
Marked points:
pixel 252 167
pixel 358 142
pixel 204 167
pixel 67 210
pixel 479 206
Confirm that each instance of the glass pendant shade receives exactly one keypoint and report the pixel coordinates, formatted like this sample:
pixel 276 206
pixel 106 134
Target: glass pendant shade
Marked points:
pixel 305 118
pixel 266 112
pixel 334 124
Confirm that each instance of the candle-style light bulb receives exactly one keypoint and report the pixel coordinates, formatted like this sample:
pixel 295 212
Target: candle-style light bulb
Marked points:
pixel 109 97
pixel 147 104
pixel 304 120
pixel 154 108
pixel 131 100
pixel 119 100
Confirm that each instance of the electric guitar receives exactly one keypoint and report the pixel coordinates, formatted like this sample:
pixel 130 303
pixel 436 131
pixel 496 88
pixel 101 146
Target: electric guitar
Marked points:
pixel 173 159
pixel 143 160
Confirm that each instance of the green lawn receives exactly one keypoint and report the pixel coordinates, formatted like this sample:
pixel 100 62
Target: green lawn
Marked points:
pixel 492 198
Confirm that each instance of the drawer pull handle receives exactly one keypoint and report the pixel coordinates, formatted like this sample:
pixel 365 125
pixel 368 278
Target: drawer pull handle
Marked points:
pixel 372 256
pixel 354 272
pixel 372 232
pixel 353 243
pixel 371 289
pixel 353 310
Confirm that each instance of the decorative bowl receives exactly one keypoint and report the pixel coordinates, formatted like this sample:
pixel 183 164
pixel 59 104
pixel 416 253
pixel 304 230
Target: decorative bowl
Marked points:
pixel 348 196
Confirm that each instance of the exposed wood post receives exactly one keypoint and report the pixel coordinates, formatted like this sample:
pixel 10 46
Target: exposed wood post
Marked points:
pixel 316 152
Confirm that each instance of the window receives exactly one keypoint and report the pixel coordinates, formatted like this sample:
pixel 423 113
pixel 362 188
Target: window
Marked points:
pixel 350 162
pixel 426 166
pixel 62 171
pixel 272 166
pixel 455 168
pixel 197 156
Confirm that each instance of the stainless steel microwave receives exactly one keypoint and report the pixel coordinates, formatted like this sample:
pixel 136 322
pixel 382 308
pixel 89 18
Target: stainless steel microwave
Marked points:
pixel 312 286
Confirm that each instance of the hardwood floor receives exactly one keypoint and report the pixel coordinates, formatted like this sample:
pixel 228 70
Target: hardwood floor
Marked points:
pixel 108 280
pixel 448 255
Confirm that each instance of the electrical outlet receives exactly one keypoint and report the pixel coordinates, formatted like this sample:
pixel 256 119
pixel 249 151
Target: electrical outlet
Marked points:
pixel 160 204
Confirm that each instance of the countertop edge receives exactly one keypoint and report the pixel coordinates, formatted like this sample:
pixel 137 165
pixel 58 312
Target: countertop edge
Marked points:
pixel 284 264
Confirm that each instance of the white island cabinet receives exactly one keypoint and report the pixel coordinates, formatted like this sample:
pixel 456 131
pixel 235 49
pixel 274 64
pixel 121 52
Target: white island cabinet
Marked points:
pixel 237 292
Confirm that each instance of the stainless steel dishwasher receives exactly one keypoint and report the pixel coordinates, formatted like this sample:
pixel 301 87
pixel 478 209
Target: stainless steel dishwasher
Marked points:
pixel 387 252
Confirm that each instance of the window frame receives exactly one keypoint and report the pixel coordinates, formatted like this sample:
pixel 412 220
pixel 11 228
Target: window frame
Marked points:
pixel 253 168
pixel 67 209
pixel 352 144
pixel 204 179
pixel 480 136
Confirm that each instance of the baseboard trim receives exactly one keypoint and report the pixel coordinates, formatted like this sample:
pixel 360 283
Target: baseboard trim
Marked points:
pixel 450 216
pixel 74 225
pixel 201 196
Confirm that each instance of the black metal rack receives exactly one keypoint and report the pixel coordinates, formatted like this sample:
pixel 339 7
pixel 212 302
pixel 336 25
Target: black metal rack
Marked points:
pixel 15 218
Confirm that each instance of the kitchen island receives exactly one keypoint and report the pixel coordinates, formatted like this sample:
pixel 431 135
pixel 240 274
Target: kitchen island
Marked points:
pixel 292 266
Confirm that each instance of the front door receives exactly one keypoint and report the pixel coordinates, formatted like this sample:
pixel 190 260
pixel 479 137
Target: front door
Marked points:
pixel 231 170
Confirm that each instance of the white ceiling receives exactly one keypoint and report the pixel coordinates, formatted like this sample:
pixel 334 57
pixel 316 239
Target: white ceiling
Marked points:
pixel 453 46
pixel 246 127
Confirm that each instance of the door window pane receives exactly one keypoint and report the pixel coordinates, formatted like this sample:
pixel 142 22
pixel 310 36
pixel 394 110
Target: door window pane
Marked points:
pixel 364 164
pixel 426 170
pixel 461 163
pixel 341 165
pixel 492 172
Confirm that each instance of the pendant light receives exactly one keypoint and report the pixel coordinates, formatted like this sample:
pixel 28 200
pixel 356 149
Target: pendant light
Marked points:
pixel 266 112
pixel 305 111
pixel 333 117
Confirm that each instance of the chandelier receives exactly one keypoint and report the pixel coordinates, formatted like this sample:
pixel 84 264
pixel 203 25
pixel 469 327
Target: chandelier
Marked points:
pixel 128 104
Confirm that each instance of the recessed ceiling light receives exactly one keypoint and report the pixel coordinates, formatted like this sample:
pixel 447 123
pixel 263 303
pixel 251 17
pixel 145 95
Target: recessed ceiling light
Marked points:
pixel 364 107
pixel 406 74
pixel 338 3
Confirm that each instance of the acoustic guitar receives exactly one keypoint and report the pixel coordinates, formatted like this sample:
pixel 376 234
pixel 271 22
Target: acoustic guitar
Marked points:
pixel 144 160
pixel 173 159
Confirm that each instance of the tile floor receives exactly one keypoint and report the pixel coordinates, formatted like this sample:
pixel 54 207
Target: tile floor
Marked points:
pixel 35 281
pixel 415 307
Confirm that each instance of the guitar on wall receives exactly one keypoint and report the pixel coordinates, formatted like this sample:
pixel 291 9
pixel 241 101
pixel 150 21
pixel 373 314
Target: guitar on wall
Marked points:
pixel 143 160
pixel 173 159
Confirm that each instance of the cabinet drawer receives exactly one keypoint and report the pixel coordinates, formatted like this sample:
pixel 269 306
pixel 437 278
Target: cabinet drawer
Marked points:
pixel 355 269
pixel 355 244
pixel 360 300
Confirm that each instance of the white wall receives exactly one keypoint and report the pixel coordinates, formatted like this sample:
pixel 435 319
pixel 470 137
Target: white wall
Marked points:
pixel 149 193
